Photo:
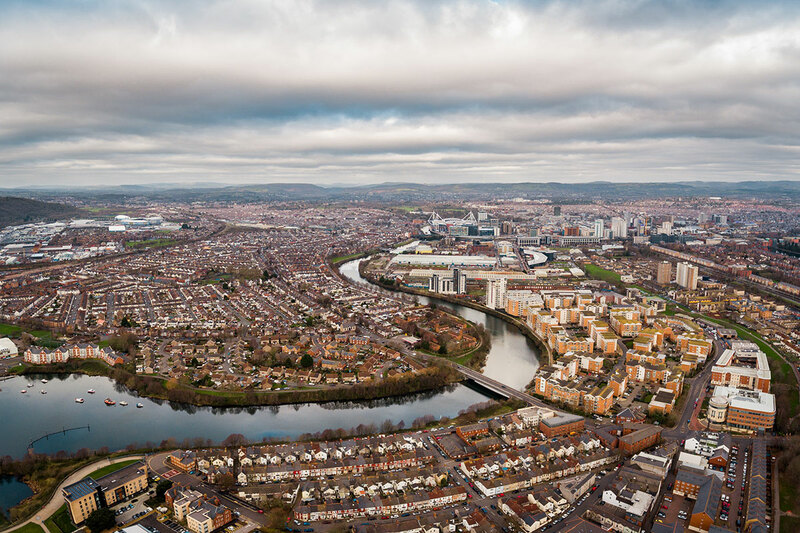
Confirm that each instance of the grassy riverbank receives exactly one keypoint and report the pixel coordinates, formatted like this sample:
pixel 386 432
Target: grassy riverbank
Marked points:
pixel 344 258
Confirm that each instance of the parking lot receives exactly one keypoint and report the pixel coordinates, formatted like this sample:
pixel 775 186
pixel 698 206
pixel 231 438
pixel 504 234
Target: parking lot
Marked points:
pixel 735 483
pixel 174 526
pixel 134 508
pixel 732 506
pixel 675 509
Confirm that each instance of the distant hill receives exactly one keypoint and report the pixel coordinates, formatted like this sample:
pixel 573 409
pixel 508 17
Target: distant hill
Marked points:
pixel 15 210
pixel 420 193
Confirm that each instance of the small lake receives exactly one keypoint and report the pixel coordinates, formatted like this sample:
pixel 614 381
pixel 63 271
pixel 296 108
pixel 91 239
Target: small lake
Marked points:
pixel 12 491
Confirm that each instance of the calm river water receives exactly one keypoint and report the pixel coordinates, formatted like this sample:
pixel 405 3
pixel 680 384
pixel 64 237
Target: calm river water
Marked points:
pixel 513 358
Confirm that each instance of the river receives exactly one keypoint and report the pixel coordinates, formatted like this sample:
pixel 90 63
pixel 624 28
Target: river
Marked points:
pixel 512 360
pixel 29 416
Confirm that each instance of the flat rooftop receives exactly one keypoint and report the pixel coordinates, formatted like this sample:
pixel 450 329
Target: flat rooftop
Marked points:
pixel 122 476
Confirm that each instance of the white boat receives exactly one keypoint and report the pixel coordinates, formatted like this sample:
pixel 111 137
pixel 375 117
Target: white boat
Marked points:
pixel 30 385
pixel 90 391
pixel 123 403
pixel 23 391
pixel 44 381
pixel 139 405
pixel 78 400
pixel 44 391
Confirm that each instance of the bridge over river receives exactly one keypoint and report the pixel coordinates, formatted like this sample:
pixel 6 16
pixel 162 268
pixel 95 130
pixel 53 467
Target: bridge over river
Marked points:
pixel 486 382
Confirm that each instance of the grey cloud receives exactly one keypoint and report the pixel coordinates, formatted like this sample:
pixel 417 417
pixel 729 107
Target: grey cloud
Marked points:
pixel 352 91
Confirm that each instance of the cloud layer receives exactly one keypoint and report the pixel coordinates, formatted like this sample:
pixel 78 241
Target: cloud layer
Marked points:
pixel 356 92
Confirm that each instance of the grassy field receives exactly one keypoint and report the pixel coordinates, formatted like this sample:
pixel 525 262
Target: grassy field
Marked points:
pixel 789 495
pixel 9 330
pixel 60 522
pixel 100 472
pixel 150 243
pixel 596 272
pixel 789 524
pixel 44 337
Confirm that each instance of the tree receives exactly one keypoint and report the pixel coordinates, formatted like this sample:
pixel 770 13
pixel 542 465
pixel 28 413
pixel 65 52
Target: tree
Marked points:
pixel 278 516
pixel 306 361
pixel 101 519
pixel 226 481
pixel 234 440
pixel 123 343
pixel 128 322
pixel 163 486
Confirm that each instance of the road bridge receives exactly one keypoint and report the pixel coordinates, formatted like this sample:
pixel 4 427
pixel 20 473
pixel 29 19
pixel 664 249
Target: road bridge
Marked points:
pixel 486 382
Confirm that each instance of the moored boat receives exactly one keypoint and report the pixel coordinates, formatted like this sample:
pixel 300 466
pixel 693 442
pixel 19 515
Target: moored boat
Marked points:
pixel 30 385
pixel 78 400
pixel 123 403
pixel 90 391
pixel 139 405
pixel 44 381
pixel 23 391
pixel 44 391
pixel 109 401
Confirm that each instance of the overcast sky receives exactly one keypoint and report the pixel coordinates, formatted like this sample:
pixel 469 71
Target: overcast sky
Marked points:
pixel 102 92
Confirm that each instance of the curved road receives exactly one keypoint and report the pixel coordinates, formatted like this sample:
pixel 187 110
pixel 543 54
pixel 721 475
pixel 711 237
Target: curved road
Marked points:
pixel 58 500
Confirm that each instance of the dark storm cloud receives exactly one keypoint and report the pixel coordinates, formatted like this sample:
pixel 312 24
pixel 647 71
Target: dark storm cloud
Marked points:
pixel 366 91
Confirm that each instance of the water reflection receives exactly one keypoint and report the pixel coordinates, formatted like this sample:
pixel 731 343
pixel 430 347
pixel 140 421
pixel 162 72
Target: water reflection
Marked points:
pixel 29 416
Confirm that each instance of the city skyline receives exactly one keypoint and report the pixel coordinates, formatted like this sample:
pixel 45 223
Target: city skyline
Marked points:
pixel 358 93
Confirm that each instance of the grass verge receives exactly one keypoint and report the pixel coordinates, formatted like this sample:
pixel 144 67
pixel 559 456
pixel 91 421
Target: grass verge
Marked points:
pixel 104 471
pixel 60 521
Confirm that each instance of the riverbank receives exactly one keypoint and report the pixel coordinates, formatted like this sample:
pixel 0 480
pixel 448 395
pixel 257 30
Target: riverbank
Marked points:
pixel 335 261
pixel 523 328
pixel 435 377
